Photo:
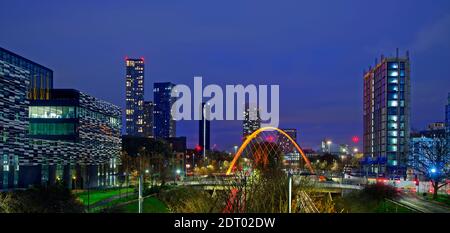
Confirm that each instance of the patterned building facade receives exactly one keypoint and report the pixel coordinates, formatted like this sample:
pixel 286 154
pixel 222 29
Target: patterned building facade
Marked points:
pixel 75 138
pixel 14 83
pixel 68 136
pixel 40 77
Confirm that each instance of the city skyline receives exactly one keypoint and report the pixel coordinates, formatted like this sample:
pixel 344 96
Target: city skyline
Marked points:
pixel 298 63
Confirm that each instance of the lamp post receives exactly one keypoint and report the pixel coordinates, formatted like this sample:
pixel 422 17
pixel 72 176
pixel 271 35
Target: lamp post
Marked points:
pixel 290 190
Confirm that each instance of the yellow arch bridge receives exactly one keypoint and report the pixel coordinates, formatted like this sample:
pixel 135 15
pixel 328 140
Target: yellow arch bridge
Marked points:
pixel 255 134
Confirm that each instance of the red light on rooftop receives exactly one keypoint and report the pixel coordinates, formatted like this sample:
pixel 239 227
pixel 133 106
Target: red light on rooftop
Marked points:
pixel 142 58
pixel 126 58
pixel 355 139
pixel 198 148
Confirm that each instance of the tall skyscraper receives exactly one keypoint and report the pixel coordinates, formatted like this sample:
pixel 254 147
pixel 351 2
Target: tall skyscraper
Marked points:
pixel 204 127
pixel 387 116
pixel 134 96
pixel 252 120
pixel 40 77
pixel 165 126
pixel 148 119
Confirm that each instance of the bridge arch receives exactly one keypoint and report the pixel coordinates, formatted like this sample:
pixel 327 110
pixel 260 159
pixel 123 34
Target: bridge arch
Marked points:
pixel 255 134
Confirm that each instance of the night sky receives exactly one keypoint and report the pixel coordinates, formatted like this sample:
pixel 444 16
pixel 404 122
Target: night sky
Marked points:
pixel 315 50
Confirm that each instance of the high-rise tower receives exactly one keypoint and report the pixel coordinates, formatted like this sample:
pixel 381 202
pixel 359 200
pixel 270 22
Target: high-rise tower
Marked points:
pixel 134 96
pixel 387 116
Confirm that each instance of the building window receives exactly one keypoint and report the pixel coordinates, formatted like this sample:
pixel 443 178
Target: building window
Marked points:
pixel 52 128
pixel 392 103
pixel 392 148
pixel 52 112
pixel 393 73
pixel 393 65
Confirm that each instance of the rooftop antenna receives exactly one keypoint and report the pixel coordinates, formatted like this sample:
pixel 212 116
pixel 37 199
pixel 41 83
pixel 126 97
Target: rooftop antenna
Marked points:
pixel 397 53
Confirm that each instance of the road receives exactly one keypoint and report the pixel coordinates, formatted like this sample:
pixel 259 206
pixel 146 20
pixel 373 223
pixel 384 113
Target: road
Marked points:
pixel 411 200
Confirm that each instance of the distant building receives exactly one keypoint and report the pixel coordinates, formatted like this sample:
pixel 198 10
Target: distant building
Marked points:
pixel 40 77
pixel 134 87
pixel 291 155
pixel 149 123
pixel 421 140
pixel 436 126
pixel 344 149
pixel 204 130
pixel 252 120
pixel 386 116
pixel 447 119
pixel 285 144
pixel 325 146
pixel 165 125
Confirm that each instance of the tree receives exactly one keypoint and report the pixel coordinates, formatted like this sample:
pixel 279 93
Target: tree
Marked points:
pixel 149 158
pixel 40 199
pixel 431 157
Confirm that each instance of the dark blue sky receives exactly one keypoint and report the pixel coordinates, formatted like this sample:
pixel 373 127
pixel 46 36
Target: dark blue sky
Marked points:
pixel 315 50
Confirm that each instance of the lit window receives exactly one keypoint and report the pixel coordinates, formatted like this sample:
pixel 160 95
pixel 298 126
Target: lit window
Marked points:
pixel 392 103
pixel 393 80
pixel 393 73
pixel 392 141
pixel 393 118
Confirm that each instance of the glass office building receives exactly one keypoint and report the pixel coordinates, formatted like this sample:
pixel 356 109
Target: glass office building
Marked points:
pixel 40 77
pixel 165 126
pixel 74 137
pixel 134 96
pixel 387 117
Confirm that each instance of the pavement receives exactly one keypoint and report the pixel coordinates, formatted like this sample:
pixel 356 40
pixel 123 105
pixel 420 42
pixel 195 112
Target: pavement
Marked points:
pixel 424 206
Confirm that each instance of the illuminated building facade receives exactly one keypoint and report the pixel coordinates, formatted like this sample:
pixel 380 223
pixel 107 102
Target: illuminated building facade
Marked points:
pixel 14 83
pixel 134 111
pixel 40 77
pixel 387 117
pixel 73 137
pixel 252 120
